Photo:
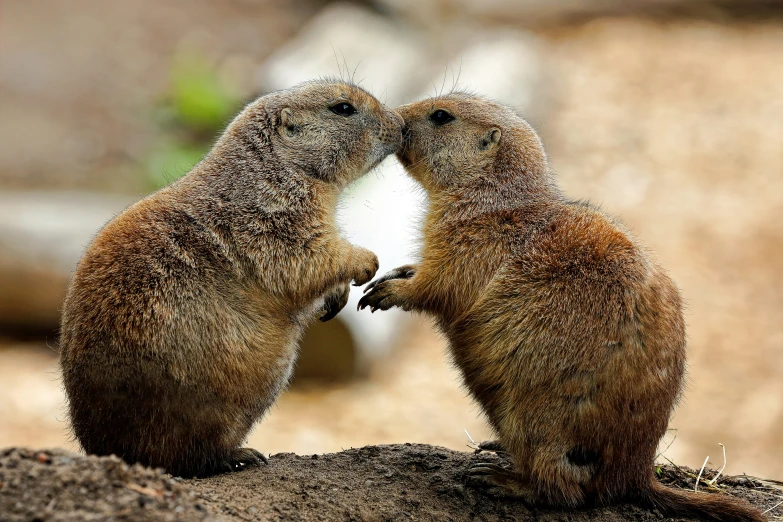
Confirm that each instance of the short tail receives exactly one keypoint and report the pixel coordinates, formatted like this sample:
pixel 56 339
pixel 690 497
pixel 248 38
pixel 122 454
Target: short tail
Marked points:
pixel 704 506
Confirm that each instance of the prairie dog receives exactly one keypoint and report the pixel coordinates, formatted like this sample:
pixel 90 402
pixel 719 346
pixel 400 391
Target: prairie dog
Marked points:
pixel 566 330
pixel 181 323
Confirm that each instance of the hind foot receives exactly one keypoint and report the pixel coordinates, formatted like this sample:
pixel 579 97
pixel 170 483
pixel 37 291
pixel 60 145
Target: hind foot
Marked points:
pixel 241 458
pixel 499 482
pixel 491 445
pixel 237 460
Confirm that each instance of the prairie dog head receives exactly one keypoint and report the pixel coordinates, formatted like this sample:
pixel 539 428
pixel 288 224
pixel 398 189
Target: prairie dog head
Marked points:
pixel 457 140
pixel 330 130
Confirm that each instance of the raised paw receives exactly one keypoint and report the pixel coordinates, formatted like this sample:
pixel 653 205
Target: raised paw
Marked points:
pixel 497 481
pixel 366 267
pixel 382 296
pixel 401 272
pixel 335 301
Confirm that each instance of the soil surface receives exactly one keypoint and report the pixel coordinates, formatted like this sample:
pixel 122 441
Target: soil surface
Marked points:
pixel 374 483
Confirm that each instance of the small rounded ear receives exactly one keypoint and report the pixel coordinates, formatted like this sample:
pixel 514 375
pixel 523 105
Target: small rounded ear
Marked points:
pixel 491 139
pixel 287 125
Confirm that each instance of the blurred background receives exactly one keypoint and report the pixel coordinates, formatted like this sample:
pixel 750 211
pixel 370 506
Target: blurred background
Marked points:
pixel 667 113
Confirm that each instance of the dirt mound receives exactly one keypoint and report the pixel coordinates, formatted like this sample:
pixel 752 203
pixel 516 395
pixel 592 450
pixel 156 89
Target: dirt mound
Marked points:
pixel 58 485
pixel 375 483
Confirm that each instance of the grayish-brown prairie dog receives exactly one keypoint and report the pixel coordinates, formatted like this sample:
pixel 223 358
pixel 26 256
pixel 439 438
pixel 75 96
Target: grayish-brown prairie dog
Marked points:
pixel 566 330
pixel 181 324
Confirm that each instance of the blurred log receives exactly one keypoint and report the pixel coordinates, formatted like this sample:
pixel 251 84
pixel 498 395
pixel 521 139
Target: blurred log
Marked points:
pixel 529 13
pixel 351 41
pixel 42 237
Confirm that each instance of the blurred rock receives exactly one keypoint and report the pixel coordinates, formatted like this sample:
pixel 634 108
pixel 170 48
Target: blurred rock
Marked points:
pixel 399 62
pixel 352 42
pixel 509 66
pixel 42 237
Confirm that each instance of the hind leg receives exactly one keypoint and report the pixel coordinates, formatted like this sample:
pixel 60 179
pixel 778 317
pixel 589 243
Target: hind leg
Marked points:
pixel 498 481
pixel 542 475
pixel 552 488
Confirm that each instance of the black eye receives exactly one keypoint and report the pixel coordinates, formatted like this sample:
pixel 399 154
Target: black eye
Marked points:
pixel 343 109
pixel 441 117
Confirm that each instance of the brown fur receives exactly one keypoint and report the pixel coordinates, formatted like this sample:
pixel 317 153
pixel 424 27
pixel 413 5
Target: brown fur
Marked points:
pixel 566 330
pixel 181 324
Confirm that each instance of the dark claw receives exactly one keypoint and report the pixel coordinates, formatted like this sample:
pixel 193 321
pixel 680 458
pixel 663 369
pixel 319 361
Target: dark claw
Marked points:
pixel 223 466
pixel 498 481
pixel 402 272
pixel 244 457
pixel 486 475
pixel 334 303
pixel 364 302
pixel 486 468
pixel 332 307
pixel 491 445
pixel 374 299
pixel 257 456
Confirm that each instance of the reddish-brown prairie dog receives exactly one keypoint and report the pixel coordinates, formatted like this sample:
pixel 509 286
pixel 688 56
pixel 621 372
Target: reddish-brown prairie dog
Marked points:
pixel 181 324
pixel 566 329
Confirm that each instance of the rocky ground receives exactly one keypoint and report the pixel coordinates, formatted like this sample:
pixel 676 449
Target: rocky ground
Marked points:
pixel 374 483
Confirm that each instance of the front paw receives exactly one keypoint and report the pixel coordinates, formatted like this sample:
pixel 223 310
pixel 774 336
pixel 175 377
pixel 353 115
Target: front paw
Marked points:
pixel 401 272
pixel 366 264
pixel 335 301
pixel 384 295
